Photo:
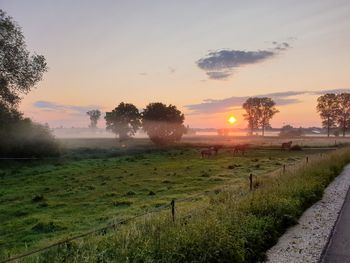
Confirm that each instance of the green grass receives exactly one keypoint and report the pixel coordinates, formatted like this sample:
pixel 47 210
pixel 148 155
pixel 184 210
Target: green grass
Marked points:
pixel 233 226
pixel 46 201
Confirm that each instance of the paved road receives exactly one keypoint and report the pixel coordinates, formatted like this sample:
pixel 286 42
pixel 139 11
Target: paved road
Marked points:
pixel 338 250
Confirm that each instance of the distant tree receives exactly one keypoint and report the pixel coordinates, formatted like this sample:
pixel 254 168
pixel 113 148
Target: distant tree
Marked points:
pixel 19 70
pixel 267 111
pixel 162 123
pixel 124 120
pixel 343 111
pixel 94 117
pixel 252 115
pixel 327 106
pixel 290 131
pixel 259 112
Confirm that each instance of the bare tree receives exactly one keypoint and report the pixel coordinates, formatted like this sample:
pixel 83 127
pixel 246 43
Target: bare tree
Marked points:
pixel 327 106
pixel 94 117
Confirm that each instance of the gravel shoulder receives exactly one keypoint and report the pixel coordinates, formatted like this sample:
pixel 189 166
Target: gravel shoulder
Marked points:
pixel 305 241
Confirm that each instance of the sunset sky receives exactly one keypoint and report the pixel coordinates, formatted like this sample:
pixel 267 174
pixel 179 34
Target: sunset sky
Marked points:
pixel 205 57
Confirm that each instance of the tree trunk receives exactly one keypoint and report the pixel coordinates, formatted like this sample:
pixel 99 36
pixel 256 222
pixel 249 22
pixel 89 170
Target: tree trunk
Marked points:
pixel 263 130
pixel 328 127
pixel 344 126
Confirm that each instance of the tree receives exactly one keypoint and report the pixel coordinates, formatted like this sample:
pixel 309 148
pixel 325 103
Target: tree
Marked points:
pixel 94 117
pixel 252 114
pixel 343 111
pixel 327 106
pixel 19 70
pixel 267 111
pixel 19 73
pixel 290 131
pixel 162 123
pixel 259 112
pixel 124 120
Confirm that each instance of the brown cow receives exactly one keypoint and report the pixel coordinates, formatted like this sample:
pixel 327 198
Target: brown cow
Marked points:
pixel 240 148
pixel 206 153
pixel 216 148
pixel 286 145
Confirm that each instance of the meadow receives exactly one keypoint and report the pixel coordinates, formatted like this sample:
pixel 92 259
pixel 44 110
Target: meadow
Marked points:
pixel 43 201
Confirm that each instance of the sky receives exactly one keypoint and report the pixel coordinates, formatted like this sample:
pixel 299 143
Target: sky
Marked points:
pixel 206 56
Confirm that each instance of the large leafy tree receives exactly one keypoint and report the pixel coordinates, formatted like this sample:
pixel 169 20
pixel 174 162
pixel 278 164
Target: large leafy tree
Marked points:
pixel 162 123
pixel 267 110
pixel 327 106
pixel 259 112
pixel 124 120
pixel 94 117
pixel 343 111
pixel 252 115
pixel 19 70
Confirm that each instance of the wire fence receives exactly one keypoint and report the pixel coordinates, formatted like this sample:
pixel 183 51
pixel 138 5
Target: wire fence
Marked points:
pixel 172 205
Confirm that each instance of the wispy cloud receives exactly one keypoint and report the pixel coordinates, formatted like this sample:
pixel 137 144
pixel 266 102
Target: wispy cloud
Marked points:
pixel 210 106
pixel 71 109
pixel 220 64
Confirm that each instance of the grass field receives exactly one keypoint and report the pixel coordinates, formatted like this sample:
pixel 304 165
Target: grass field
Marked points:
pixel 42 201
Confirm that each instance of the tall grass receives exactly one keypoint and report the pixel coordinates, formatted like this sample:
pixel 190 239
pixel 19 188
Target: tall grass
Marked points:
pixel 232 227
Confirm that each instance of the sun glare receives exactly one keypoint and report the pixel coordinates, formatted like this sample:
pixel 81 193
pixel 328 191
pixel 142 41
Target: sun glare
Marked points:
pixel 232 120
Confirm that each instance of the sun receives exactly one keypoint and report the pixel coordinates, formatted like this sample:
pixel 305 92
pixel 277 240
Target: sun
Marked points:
pixel 232 120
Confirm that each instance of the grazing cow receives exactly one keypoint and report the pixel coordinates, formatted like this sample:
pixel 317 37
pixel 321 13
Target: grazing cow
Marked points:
pixel 286 145
pixel 216 148
pixel 240 148
pixel 206 153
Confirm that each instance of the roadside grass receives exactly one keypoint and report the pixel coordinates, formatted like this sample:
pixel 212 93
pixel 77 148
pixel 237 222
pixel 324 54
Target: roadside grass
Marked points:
pixel 233 226
pixel 48 200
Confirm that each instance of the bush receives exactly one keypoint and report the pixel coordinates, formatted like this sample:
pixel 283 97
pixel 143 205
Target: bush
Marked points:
pixel 24 138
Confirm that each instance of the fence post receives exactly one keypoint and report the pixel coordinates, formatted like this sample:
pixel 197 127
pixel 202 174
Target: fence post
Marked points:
pixel 284 168
pixel 173 209
pixel 251 182
pixel 307 159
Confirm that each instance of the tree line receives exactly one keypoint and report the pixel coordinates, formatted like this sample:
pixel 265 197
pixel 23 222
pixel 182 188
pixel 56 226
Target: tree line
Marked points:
pixel 162 123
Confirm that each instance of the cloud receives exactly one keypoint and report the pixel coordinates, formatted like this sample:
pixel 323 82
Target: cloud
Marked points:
pixel 210 106
pixel 220 64
pixel 71 109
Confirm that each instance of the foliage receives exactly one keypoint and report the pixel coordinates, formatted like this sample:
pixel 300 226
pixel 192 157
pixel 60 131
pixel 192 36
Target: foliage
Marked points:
pixel 124 120
pixel 327 106
pixel 267 110
pixel 23 138
pixel 162 123
pixel 19 71
pixel 94 117
pixel 343 111
pixel 259 112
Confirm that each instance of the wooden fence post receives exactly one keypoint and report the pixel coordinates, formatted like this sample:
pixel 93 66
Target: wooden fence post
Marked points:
pixel 173 209
pixel 284 168
pixel 251 182
pixel 307 159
